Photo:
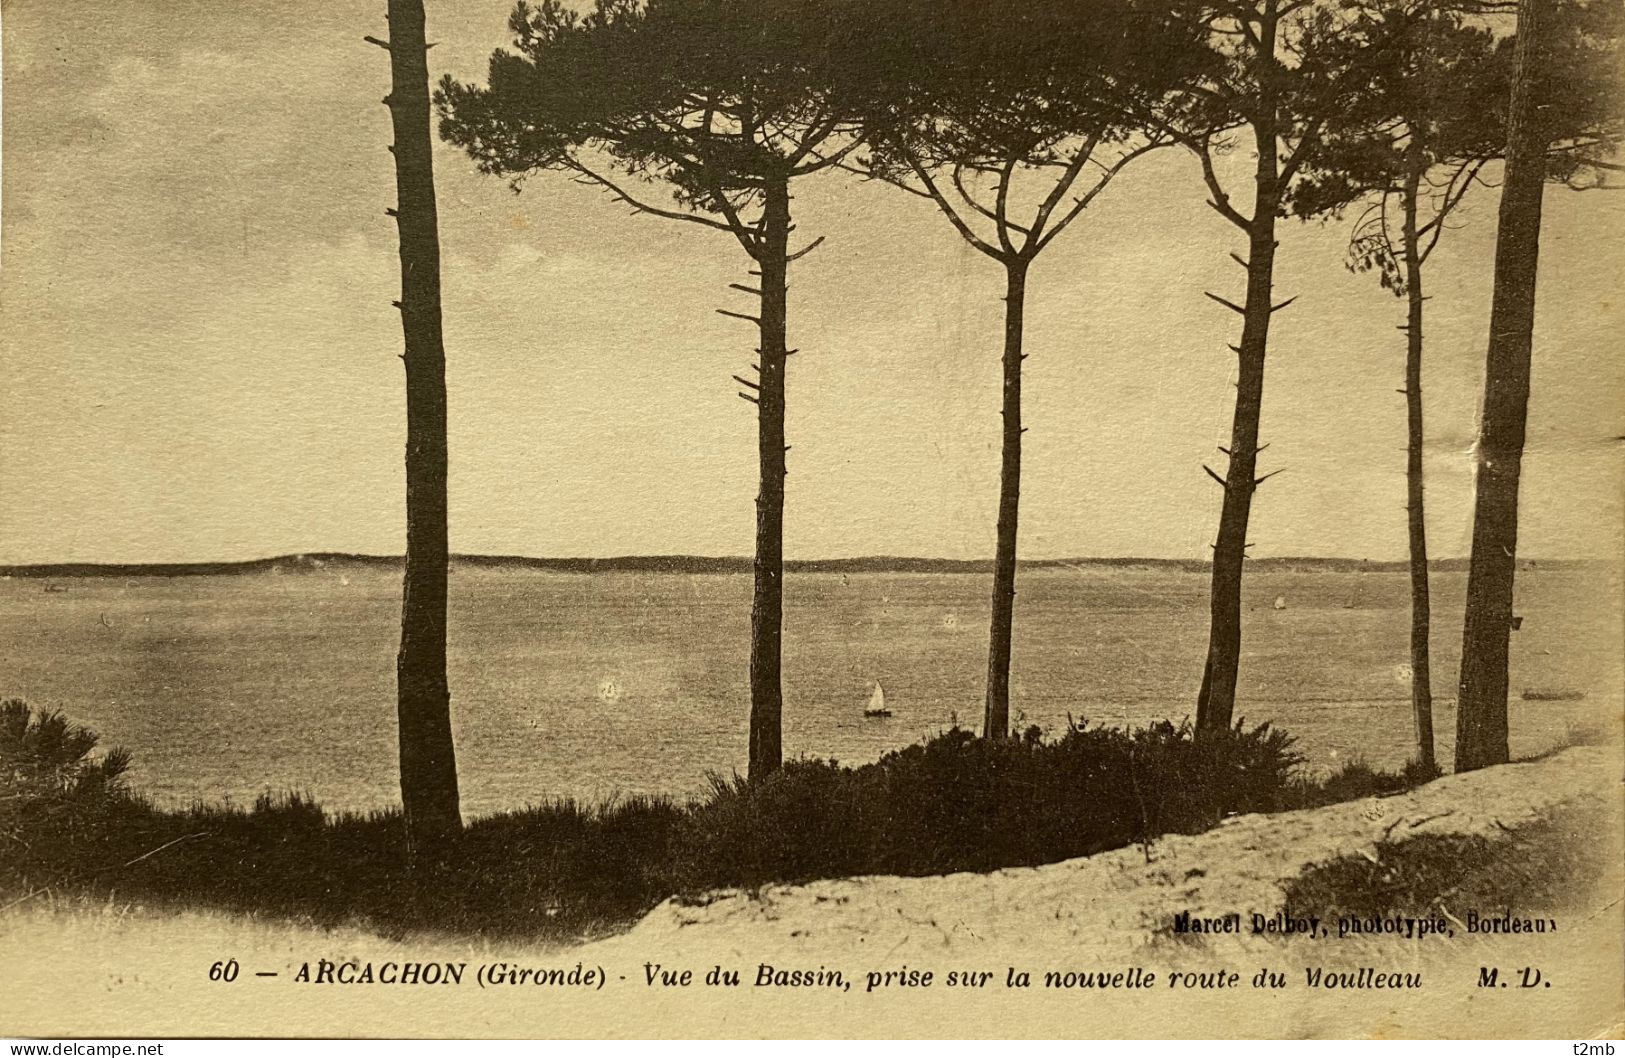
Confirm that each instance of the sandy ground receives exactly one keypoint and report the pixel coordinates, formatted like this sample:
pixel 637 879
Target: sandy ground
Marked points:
pixel 124 971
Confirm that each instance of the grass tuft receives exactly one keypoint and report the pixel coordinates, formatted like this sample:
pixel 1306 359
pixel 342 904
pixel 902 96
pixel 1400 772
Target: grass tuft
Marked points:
pixel 1546 866
pixel 1357 779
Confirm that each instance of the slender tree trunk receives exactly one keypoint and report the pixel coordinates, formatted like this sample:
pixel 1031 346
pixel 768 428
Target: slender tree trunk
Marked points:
pixel 1216 703
pixel 767 601
pixel 1481 713
pixel 996 719
pixel 428 762
pixel 1421 667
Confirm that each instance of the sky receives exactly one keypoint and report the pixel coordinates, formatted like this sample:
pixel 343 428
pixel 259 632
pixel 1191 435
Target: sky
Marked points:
pixel 200 356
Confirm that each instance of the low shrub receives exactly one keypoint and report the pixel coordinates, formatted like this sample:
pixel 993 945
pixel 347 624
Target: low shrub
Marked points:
pixel 566 870
pixel 1552 864
pixel 961 803
pixel 1354 780
pixel 56 800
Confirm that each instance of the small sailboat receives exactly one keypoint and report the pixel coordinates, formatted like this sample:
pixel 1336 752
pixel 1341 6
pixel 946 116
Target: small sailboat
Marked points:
pixel 877 703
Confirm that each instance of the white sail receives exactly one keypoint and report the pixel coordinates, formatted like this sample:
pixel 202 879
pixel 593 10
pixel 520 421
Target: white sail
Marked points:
pixel 877 700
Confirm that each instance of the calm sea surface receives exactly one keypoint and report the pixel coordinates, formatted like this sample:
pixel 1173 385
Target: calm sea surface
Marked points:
pixel 592 685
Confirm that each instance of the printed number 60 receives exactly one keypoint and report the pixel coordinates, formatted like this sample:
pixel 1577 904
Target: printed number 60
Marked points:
pixel 224 971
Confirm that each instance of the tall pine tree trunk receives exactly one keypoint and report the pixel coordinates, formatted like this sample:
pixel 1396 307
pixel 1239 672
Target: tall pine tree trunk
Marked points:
pixel 996 719
pixel 1216 703
pixel 428 763
pixel 1421 667
pixel 767 600
pixel 1481 713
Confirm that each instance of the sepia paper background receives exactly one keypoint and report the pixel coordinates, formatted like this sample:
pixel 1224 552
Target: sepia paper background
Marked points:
pixel 200 365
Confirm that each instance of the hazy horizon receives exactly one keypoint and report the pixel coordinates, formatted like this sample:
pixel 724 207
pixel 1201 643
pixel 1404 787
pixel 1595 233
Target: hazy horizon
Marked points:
pixel 744 559
pixel 201 353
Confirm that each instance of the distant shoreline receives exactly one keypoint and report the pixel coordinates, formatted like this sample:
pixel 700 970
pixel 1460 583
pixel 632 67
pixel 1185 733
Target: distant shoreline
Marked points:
pixel 314 562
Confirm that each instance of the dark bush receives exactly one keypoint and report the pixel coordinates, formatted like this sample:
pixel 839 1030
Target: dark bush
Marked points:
pixel 564 870
pixel 1354 780
pixel 59 805
pixel 1552 864
pixel 962 803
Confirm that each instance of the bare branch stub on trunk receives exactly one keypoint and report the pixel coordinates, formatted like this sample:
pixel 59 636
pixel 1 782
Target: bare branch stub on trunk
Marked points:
pixel 1403 154
pixel 1274 78
pixel 428 764
pixel 723 104
pixel 1011 119
pixel 1253 61
pixel 1421 113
